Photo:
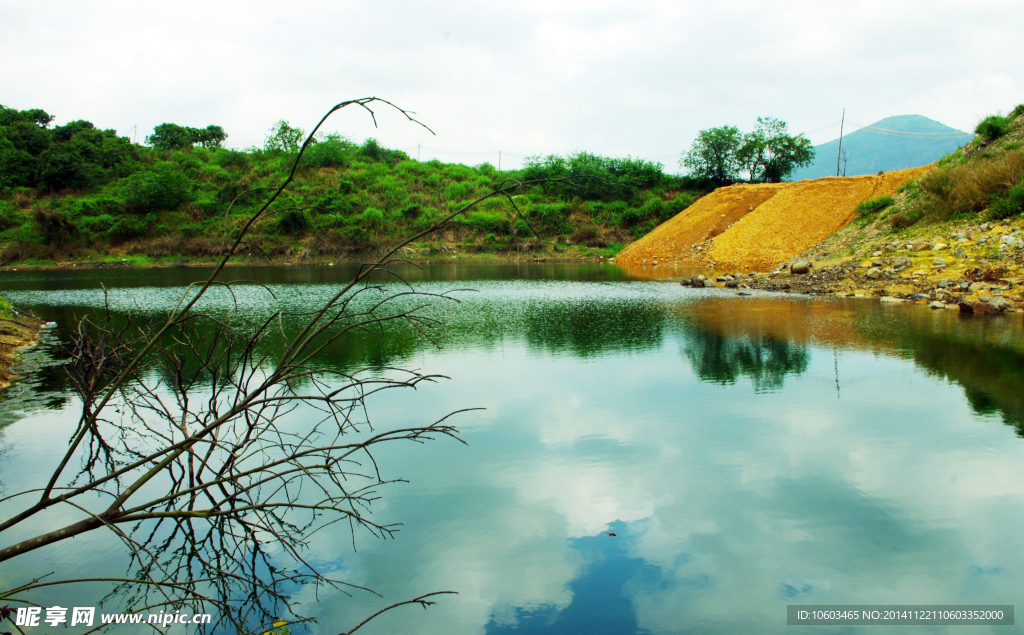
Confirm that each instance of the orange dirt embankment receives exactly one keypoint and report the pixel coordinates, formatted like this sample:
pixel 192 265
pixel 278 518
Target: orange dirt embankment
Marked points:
pixel 756 227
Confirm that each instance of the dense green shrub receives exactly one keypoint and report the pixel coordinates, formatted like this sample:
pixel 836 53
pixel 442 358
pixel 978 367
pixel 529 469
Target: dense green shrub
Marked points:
pixel 993 127
pixel 334 152
pixel 63 167
pixel 292 221
pixel 875 205
pixel 655 208
pixel 1007 205
pixel 229 158
pixel 128 227
pixel 17 169
pixel 456 191
pixel 373 217
pixel 98 224
pixel 158 189
pixel 552 217
pixel 55 227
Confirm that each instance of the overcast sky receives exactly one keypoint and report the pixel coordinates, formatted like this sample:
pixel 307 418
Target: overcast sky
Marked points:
pixel 531 77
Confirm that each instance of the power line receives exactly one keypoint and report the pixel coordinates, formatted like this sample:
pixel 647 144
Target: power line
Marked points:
pixel 905 133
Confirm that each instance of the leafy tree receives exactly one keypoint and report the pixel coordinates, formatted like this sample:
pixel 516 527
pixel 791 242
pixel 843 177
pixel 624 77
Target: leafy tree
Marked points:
pixel 769 154
pixel 170 136
pixel 713 155
pixel 209 137
pixel 284 138
pixel 36 116
pixel 27 136
pixel 66 132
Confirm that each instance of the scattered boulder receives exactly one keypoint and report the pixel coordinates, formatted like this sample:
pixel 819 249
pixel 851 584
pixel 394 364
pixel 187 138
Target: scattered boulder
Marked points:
pixel 975 287
pixel 873 273
pixel 959 252
pixel 899 263
pixel 888 299
pixel 978 308
pixel 939 262
pixel 936 305
pixel 939 246
pixel 800 267
pixel 921 245
pixel 1000 304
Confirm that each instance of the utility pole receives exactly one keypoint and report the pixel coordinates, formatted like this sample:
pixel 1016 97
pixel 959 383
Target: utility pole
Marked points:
pixel 840 155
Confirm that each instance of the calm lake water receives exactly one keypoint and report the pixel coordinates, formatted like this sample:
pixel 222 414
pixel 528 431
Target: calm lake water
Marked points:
pixel 748 452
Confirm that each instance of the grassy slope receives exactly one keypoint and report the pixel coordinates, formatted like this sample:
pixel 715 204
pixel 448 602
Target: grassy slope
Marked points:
pixel 347 202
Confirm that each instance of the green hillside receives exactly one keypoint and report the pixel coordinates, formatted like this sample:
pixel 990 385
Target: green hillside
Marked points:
pixel 78 193
pixel 893 143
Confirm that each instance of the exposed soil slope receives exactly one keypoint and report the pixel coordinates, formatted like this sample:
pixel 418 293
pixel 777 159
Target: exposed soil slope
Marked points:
pixel 755 227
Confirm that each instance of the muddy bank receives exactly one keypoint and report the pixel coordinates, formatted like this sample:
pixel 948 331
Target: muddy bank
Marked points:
pixel 17 331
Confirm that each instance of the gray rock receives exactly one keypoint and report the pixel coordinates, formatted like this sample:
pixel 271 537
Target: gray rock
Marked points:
pixel 936 305
pixel 959 252
pixel 975 287
pixel 899 263
pixel 920 296
pixel 801 266
pixel 1000 304
pixel 942 284
pixel 939 262
pixel 985 297
pixel 873 273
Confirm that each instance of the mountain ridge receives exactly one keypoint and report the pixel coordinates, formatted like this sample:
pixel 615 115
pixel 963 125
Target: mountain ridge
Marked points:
pixel 892 143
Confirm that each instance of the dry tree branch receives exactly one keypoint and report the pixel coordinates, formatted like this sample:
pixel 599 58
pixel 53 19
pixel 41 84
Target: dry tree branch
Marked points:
pixel 189 453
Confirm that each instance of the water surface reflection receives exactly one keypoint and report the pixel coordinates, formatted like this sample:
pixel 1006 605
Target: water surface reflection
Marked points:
pixel 747 453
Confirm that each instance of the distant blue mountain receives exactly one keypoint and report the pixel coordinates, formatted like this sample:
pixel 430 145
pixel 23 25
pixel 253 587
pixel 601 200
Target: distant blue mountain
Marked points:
pixel 893 143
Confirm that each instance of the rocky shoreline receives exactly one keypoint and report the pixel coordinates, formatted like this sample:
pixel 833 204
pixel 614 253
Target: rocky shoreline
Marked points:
pixel 978 270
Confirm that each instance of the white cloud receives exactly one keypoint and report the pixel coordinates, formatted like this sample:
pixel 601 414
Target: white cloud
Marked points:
pixel 527 78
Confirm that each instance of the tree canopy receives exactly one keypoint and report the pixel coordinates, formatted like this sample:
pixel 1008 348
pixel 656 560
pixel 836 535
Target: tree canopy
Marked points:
pixel 170 136
pixel 768 154
pixel 73 156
